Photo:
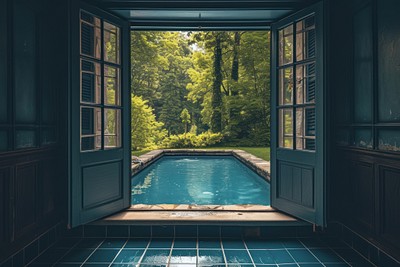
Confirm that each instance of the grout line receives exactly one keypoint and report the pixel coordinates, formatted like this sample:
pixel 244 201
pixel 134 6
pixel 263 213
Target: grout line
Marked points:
pixel 144 252
pixel 291 255
pixel 93 252
pixel 248 252
pixel 123 246
pixel 170 251
pixel 364 239
pixel 339 255
pixel 311 252
pixel 223 252
pixel 197 249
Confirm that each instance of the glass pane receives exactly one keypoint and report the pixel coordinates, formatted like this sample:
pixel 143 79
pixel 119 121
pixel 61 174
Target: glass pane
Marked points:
pixel 300 128
pixel 3 64
pixel 286 128
pixel 111 86
pixel 91 127
pixel 48 136
pixel 90 82
pixel 305 39
pixel 362 91
pixel 111 43
pixel 389 140
pixel 91 143
pixel 286 45
pixel 90 35
pixel 112 131
pixel 363 138
pixel 305 83
pixel 305 128
pixel 286 86
pixel 3 140
pixel 25 139
pixel 25 64
pixel 363 65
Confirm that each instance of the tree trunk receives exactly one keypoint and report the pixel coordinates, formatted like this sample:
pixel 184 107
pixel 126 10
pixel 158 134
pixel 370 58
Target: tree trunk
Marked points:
pixel 216 117
pixel 235 62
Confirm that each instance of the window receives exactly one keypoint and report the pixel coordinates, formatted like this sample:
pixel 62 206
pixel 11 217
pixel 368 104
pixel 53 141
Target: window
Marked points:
pixel 374 121
pixel 297 85
pixel 100 87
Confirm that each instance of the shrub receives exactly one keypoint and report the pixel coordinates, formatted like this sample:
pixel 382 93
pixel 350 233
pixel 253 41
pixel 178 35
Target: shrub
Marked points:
pixel 191 140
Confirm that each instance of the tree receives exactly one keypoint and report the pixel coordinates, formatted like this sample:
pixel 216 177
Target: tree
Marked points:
pixel 185 116
pixel 146 132
pixel 216 100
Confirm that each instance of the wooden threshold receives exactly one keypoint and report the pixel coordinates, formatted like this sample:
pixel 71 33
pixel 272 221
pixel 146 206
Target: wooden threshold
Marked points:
pixel 188 217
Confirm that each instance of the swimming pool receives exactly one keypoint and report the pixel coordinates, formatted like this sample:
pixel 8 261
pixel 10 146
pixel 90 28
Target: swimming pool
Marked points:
pixel 199 180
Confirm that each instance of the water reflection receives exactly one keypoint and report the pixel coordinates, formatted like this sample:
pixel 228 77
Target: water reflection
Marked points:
pixel 201 180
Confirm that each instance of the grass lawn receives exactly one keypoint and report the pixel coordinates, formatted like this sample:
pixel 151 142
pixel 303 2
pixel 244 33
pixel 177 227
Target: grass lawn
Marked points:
pixel 261 152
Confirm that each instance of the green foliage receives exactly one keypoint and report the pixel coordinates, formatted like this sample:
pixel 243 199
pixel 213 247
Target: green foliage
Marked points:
pixel 191 140
pixel 146 132
pixel 185 117
pixel 221 79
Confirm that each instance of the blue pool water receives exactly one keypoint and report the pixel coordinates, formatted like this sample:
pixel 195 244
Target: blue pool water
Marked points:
pixel 201 180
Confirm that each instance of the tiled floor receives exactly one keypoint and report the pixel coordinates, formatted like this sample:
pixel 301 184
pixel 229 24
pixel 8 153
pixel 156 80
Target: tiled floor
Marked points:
pixel 181 252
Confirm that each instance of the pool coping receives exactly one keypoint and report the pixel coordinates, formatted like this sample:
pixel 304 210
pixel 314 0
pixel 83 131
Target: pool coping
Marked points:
pixel 260 166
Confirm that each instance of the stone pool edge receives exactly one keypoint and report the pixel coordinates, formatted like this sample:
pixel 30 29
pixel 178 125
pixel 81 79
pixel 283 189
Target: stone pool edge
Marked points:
pixel 260 166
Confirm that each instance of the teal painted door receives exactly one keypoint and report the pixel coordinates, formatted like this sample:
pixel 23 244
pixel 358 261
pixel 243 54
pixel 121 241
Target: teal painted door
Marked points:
pixel 99 148
pixel 298 115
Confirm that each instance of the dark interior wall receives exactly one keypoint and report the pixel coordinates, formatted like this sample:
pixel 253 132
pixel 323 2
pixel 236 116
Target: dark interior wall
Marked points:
pixel 365 77
pixel 33 116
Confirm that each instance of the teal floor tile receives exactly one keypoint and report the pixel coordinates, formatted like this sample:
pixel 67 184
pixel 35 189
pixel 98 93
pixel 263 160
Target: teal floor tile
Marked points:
pixel 156 256
pixel 187 243
pixel 237 256
pixel 313 243
pixel 113 243
pixel 129 256
pixel 311 265
pixel 90 243
pixel 209 244
pixel 182 265
pixel 292 243
pixel 264 244
pixel 95 265
pixel 77 255
pixel 60 265
pixel 326 255
pixel 281 256
pixel 302 256
pixel 262 257
pixel 233 244
pixel 103 255
pixel 158 243
pixel 183 256
pixel 210 256
pixel 140 243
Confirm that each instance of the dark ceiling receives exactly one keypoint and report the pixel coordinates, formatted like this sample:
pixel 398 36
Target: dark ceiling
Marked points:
pixel 202 15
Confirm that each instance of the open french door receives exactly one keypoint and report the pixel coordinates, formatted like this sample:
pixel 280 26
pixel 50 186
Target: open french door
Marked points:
pixel 298 115
pixel 99 122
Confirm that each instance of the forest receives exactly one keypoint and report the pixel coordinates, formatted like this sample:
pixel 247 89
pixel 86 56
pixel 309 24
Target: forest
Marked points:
pixel 199 89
